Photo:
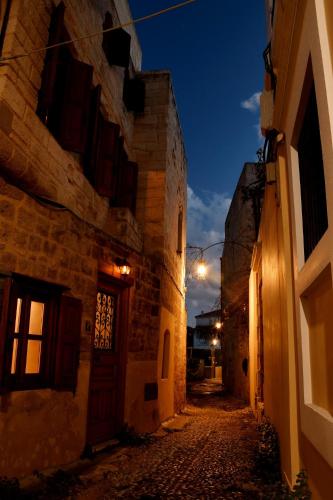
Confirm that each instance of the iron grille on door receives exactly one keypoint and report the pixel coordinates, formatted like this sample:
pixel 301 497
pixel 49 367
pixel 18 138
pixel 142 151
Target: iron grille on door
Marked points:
pixel 105 321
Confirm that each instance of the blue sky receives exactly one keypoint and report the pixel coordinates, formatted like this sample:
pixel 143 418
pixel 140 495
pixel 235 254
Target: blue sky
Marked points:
pixel 214 51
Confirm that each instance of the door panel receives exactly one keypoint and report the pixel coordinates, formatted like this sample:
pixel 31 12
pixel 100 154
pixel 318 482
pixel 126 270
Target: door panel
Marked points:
pixel 108 361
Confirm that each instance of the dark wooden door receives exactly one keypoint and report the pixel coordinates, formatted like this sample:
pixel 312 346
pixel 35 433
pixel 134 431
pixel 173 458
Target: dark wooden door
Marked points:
pixel 107 379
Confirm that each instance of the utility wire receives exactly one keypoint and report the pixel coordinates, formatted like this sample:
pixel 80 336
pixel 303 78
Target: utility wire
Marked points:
pixel 91 35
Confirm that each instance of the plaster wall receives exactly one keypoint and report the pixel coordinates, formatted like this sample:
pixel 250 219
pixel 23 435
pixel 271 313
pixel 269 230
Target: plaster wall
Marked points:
pixel 302 291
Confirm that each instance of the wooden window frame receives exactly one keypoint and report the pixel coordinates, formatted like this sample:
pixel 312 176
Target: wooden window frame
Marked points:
pixel 60 335
pixel 28 291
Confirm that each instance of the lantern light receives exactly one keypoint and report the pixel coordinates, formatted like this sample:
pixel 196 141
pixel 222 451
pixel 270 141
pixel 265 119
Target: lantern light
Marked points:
pixel 201 269
pixel 123 267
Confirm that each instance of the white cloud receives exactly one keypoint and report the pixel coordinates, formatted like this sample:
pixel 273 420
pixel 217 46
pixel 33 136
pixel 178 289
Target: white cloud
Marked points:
pixel 205 225
pixel 252 103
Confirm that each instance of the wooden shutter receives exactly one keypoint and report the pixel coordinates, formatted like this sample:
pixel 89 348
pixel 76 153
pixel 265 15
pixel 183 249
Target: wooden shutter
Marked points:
pixel 116 44
pixel 7 315
pixel 74 108
pixel 106 167
pixel 91 154
pixel 68 343
pixel 127 186
pixel 134 93
pixel 47 90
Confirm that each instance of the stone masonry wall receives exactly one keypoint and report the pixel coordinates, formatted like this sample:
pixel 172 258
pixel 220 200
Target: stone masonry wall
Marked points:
pixel 29 154
pixel 236 262
pixel 56 246
pixel 70 242
pixel 159 149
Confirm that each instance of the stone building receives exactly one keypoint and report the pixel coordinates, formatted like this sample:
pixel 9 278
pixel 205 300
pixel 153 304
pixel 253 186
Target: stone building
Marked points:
pixel 291 297
pixel 241 228
pixel 93 180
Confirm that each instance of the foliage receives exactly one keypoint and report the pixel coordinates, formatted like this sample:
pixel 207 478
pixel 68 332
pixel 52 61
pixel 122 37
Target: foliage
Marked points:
pixel 193 370
pixel 60 484
pixel 301 488
pixel 10 488
pixel 127 436
pixel 268 453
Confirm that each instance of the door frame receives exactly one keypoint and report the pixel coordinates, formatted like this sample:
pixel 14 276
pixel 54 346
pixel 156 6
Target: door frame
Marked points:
pixel 121 287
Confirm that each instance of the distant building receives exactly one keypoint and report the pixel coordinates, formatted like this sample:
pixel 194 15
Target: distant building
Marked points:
pixel 205 329
pixel 93 180
pixel 241 229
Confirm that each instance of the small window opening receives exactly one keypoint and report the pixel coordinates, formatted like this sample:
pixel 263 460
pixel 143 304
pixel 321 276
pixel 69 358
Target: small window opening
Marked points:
pixel 180 232
pixel 166 354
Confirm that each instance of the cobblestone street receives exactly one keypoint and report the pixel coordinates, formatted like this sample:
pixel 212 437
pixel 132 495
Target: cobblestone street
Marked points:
pixel 206 453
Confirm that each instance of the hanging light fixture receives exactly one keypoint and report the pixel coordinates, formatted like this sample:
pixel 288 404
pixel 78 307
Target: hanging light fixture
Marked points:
pixel 201 269
pixel 124 267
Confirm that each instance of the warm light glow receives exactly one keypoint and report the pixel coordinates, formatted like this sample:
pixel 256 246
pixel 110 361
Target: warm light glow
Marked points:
pixel 201 270
pixel 215 341
pixel 218 325
pixel 124 270
pixel 123 267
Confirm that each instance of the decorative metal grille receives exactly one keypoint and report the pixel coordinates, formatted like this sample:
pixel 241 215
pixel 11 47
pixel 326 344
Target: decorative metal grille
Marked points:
pixel 105 319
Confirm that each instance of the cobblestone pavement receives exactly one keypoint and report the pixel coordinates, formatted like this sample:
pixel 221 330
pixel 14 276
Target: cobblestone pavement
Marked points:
pixel 206 453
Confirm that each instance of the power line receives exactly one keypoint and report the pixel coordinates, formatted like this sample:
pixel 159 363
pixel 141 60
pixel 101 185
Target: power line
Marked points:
pixel 91 35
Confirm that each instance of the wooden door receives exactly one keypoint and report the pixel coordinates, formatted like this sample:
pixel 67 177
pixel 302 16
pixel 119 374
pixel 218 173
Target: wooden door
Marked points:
pixel 107 379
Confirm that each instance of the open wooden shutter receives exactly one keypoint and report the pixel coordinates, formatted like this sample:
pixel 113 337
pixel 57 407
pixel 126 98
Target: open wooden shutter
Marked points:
pixel 127 185
pixel 91 154
pixel 74 108
pixel 134 94
pixel 68 343
pixel 6 316
pixel 106 167
pixel 116 44
pixel 47 90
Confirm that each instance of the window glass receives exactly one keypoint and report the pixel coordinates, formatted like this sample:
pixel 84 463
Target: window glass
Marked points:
pixel 18 315
pixel 34 350
pixel 36 318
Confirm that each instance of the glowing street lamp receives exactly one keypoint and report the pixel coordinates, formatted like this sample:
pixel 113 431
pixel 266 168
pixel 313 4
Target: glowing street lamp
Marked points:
pixel 201 270
pixel 218 325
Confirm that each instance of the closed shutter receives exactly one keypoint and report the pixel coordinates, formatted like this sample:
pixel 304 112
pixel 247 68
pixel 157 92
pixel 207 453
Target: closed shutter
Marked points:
pixel 47 90
pixel 74 108
pixel 116 44
pixel 91 154
pixel 106 167
pixel 127 185
pixel 68 343
pixel 6 320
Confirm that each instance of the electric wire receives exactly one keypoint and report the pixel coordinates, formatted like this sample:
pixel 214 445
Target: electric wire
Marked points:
pixel 91 35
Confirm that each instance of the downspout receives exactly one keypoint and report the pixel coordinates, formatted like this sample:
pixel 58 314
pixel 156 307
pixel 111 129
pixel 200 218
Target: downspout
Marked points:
pixel 4 24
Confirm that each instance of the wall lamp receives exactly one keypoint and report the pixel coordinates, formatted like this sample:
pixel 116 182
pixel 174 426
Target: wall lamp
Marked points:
pixel 124 267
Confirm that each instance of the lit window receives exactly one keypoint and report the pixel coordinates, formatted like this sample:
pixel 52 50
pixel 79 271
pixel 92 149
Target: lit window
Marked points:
pixel 39 336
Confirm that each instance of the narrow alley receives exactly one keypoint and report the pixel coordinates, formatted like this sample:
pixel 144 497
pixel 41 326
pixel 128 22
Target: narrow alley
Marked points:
pixel 206 452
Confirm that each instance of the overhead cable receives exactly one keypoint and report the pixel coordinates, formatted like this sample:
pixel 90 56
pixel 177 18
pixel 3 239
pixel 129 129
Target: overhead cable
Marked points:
pixel 91 35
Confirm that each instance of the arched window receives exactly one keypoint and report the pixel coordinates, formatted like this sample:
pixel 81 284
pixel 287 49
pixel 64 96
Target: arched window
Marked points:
pixel 180 232
pixel 166 354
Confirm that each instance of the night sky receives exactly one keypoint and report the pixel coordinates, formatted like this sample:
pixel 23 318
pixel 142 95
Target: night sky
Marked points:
pixel 214 51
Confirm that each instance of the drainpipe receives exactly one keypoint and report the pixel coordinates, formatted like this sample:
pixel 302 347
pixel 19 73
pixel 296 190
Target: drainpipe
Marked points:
pixel 4 24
